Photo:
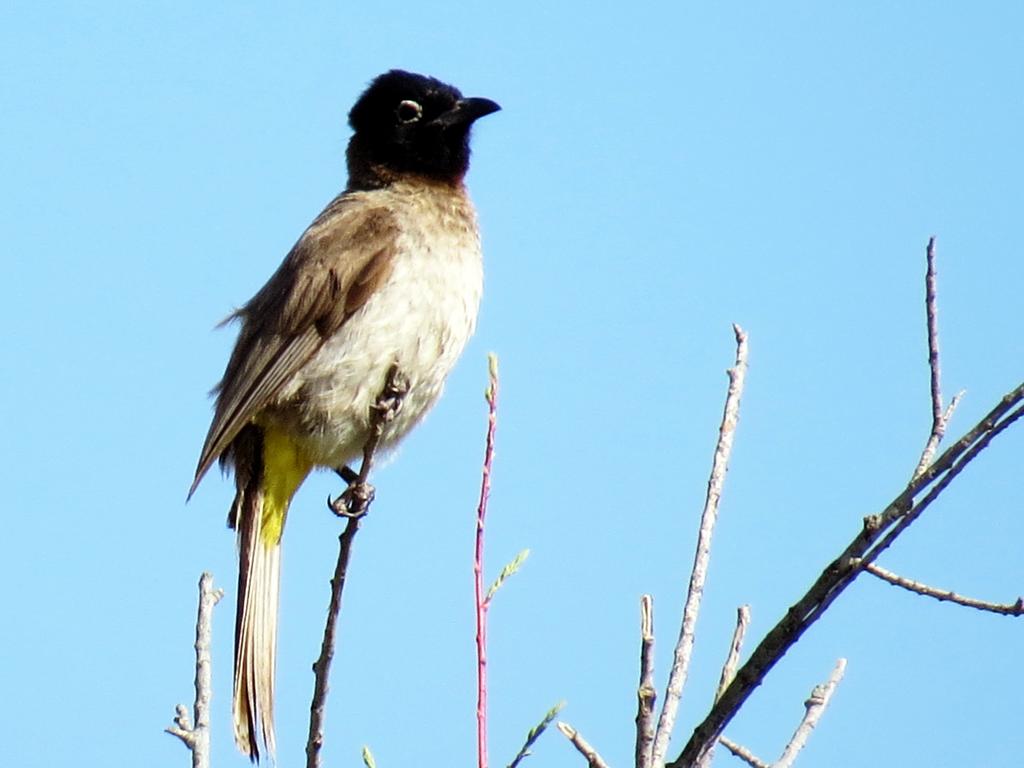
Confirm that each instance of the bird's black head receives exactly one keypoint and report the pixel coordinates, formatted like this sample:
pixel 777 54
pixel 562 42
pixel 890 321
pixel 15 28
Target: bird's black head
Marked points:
pixel 405 124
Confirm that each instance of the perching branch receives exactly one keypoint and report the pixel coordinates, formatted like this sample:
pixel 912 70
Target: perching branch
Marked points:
pixel 815 708
pixel 353 505
pixel 945 595
pixel 197 737
pixel 698 575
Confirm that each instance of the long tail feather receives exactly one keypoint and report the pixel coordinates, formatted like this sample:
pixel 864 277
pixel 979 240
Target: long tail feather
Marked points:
pixel 259 572
pixel 268 470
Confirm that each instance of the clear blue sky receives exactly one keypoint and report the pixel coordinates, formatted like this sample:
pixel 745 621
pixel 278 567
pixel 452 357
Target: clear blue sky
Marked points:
pixel 658 172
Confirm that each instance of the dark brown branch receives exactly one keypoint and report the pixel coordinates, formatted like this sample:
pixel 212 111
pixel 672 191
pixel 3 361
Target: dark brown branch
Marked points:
pixel 353 505
pixel 877 533
pixel 945 595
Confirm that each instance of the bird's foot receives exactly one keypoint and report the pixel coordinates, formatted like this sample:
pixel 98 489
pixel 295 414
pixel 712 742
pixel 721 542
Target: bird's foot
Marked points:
pixel 353 501
pixel 389 403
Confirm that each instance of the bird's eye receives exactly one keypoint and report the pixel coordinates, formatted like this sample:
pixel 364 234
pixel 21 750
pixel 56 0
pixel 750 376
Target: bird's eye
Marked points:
pixel 409 111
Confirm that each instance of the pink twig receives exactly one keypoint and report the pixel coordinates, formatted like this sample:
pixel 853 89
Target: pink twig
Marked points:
pixel 482 602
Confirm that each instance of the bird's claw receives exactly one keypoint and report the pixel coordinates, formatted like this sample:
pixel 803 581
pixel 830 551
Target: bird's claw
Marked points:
pixel 353 501
pixel 390 401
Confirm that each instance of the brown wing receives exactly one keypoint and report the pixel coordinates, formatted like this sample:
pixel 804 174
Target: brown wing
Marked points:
pixel 329 274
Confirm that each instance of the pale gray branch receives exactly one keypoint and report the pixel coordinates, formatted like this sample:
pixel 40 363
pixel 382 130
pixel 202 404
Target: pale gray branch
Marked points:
pixel 945 595
pixel 197 736
pixel 732 661
pixel 645 693
pixel 594 760
pixel 815 708
pixel 742 753
pixel 698 575
pixel 937 433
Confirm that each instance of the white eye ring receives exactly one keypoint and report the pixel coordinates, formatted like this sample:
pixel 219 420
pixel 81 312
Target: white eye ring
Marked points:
pixel 409 111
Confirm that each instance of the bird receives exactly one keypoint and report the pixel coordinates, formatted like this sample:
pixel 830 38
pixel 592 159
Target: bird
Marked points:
pixel 388 277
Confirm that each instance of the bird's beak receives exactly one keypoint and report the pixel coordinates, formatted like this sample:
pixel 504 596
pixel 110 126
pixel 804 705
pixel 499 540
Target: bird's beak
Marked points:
pixel 466 111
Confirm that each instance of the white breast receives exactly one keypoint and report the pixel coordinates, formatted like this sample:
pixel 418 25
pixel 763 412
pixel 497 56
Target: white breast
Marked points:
pixel 420 318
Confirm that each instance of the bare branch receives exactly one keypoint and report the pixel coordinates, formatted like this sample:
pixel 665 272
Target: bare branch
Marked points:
pixel 877 533
pixel 645 693
pixel 197 737
pixel 691 609
pixel 594 760
pixel 940 417
pixel 984 432
pixel 353 505
pixel 733 659
pixel 815 708
pixel 482 600
pixel 932 314
pixel 945 595
pixel 742 753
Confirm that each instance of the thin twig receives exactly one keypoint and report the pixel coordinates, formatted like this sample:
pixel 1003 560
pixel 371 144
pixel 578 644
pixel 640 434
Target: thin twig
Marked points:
pixel 878 532
pixel 511 568
pixel 482 600
pixel 645 693
pixel 594 760
pixel 945 595
pixel 935 437
pixel 742 753
pixel 197 737
pixel 732 660
pixel 940 416
pixel 691 609
pixel 535 733
pixel 932 314
pixel 814 709
pixel 356 501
